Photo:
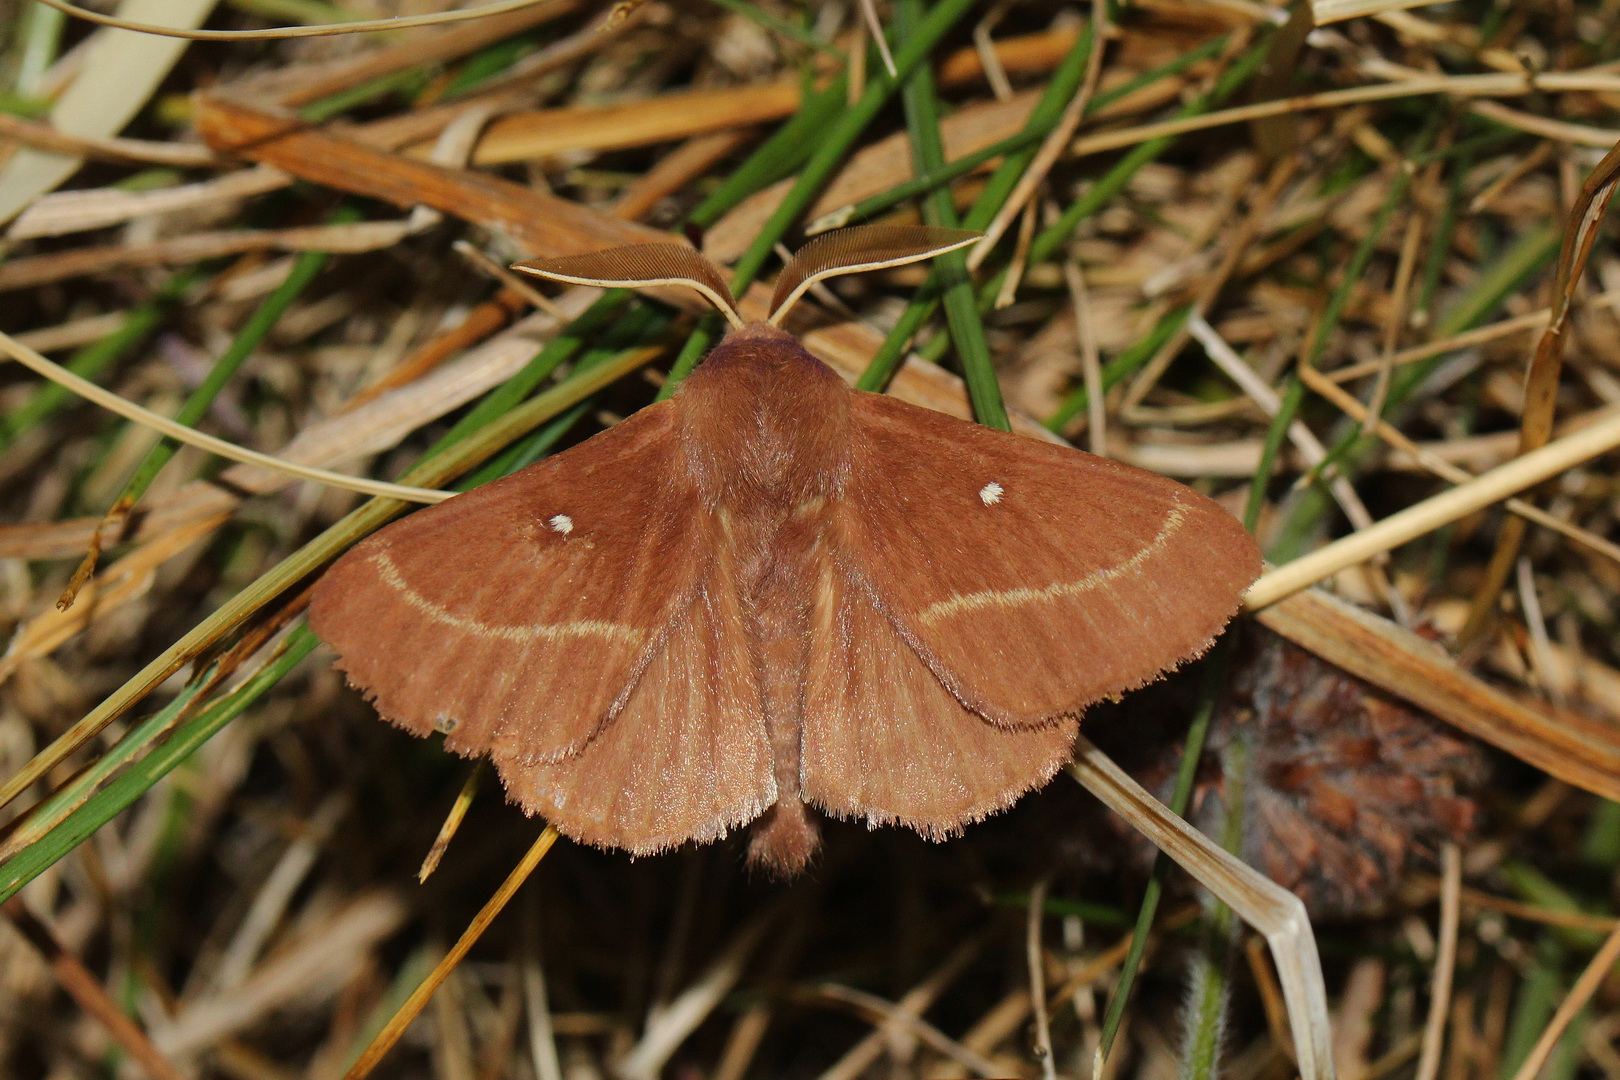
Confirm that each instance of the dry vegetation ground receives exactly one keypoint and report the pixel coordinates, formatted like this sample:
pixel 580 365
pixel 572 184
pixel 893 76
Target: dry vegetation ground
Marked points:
pixel 295 245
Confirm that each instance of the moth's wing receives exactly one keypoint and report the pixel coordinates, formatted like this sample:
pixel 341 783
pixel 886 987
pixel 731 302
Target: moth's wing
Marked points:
pixel 883 738
pixel 686 758
pixel 522 612
pixel 1033 579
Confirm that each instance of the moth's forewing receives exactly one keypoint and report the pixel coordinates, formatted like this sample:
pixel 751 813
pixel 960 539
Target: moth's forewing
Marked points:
pixel 517 617
pixel 1034 579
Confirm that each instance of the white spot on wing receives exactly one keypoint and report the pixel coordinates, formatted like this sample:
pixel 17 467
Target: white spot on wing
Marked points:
pixel 562 523
pixel 990 494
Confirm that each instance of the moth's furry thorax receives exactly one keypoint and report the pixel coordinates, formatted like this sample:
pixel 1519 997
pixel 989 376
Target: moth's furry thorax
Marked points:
pixel 764 419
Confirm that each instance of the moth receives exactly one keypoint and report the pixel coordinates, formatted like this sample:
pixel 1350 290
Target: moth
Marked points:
pixel 772 592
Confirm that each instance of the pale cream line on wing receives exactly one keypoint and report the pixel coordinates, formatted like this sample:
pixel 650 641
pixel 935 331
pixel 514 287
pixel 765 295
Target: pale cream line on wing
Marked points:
pixel 957 605
pixel 585 628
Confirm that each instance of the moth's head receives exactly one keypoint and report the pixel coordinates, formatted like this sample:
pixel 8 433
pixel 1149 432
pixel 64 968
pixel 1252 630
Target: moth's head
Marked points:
pixel 846 251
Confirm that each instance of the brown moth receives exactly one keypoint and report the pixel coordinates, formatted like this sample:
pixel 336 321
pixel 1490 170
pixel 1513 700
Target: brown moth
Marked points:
pixel 772 590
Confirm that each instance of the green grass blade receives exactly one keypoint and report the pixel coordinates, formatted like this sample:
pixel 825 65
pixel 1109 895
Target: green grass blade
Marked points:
pixel 139 778
pixel 961 313
pixel 305 268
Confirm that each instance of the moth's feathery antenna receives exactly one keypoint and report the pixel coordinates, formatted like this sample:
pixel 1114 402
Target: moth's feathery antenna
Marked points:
pixel 639 266
pixel 851 251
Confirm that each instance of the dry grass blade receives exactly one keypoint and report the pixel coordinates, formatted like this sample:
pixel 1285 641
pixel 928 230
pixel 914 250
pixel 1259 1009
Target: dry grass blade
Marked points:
pixel 1542 379
pixel 119 73
pixel 1332 11
pixel 391 1031
pixel 1268 907
pixel 1432 513
pixel 1601 967
pixel 669 1025
pixel 76 211
pixel 1445 964
pixel 76 262
pixel 527 136
pixel 499 7
pixel 1400 662
pixel 87 991
pixel 131 411
pixel 126 151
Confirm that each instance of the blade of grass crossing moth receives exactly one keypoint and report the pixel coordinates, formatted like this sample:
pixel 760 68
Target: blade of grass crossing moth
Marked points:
pixel 413 1006
pixel 258 326
pixel 463 453
pixel 103 806
pixel 92 360
pixel 961 313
